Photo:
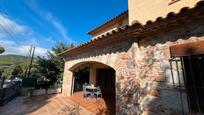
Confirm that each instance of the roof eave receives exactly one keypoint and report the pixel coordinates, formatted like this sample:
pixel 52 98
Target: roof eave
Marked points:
pixel 119 17
pixel 161 22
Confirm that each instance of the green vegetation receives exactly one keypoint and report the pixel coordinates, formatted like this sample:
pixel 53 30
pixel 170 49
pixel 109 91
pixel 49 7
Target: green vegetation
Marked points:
pixel 12 59
pixel 48 69
pixel 52 67
pixel 9 62
pixel 17 72
pixel 2 50
pixel 59 61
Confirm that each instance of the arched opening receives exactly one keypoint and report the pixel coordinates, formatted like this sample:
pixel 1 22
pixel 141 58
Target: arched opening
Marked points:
pixel 81 77
pixel 97 74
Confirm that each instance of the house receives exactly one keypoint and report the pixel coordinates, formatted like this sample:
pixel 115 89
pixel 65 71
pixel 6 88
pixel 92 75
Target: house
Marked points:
pixel 148 60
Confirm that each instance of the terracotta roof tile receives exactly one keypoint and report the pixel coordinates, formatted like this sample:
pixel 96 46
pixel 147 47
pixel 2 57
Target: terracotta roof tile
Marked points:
pixel 111 20
pixel 198 10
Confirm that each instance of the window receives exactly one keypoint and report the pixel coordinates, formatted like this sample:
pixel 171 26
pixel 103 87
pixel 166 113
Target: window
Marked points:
pixel 188 74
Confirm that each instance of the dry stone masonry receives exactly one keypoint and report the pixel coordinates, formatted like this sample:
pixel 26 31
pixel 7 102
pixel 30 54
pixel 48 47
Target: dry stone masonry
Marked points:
pixel 143 77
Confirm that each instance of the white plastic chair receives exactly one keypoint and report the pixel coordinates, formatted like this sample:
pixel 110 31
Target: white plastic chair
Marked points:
pixel 85 92
pixel 98 93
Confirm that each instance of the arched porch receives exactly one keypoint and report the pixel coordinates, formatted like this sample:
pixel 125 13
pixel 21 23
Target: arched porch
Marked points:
pixel 98 74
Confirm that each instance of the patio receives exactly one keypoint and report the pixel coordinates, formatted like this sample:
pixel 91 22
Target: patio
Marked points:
pixel 56 105
pixel 94 80
pixel 44 105
pixel 104 105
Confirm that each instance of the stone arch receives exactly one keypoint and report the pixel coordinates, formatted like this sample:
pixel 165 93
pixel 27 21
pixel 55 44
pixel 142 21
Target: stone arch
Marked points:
pixel 124 64
pixel 70 66
pixel 75 65
pixel 100 74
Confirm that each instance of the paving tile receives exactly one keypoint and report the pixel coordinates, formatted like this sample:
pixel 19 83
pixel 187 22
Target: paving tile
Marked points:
pixel 53 104
pixel 92 105
pixel 38 105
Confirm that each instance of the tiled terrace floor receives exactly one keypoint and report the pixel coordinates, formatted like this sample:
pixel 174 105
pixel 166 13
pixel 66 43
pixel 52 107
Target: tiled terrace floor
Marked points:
pixel 55 104
pixel 98 106
pixel 40 105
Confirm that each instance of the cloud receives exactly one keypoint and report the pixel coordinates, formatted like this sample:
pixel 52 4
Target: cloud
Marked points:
pixel 58 26
pixel 20 49
pixel 48 16
pixel 50 40
pixel 39 51
pixel 7 26
pixel 6 42
pixel 14 38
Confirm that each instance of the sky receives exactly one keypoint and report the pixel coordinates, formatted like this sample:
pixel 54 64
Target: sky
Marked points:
pixel 44 23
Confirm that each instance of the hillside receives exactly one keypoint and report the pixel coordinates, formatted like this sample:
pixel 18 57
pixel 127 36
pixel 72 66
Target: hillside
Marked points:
pixel 8 62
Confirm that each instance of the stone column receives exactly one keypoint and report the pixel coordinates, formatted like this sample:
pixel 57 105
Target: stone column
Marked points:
pixel 92 75
pixel 67 82
pixel 125 84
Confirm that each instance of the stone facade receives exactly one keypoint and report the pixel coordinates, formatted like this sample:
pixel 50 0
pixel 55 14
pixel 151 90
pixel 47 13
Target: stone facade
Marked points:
pixel 143 84
pixel 114 56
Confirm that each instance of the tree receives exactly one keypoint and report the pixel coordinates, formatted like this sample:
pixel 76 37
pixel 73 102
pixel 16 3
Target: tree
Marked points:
pixel 17 72
pixel 48 70
pixel 60 47
pixel 53 55
pixel 2 50
pixel 52 67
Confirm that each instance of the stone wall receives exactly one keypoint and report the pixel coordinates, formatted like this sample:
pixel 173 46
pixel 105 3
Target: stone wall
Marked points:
pixel 142 68
pixel 157 95
pixel 114 56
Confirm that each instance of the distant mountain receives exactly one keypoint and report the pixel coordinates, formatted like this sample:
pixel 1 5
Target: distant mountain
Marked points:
pixel 8 60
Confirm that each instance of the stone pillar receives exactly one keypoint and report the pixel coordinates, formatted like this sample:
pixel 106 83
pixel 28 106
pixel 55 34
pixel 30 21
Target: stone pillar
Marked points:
pixel 126 85
pixel 92 75
pixel 67 82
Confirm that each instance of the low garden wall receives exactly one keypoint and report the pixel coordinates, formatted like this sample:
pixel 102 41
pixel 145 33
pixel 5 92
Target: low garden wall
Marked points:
pixel 38 92
pixel 8 93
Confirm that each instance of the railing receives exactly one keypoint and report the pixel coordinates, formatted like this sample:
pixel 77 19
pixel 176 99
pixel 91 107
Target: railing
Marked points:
pixel 9 92
pixel 188 76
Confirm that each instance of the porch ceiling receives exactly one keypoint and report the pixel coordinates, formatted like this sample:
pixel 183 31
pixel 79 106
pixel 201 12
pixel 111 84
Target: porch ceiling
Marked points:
pixel 138 31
